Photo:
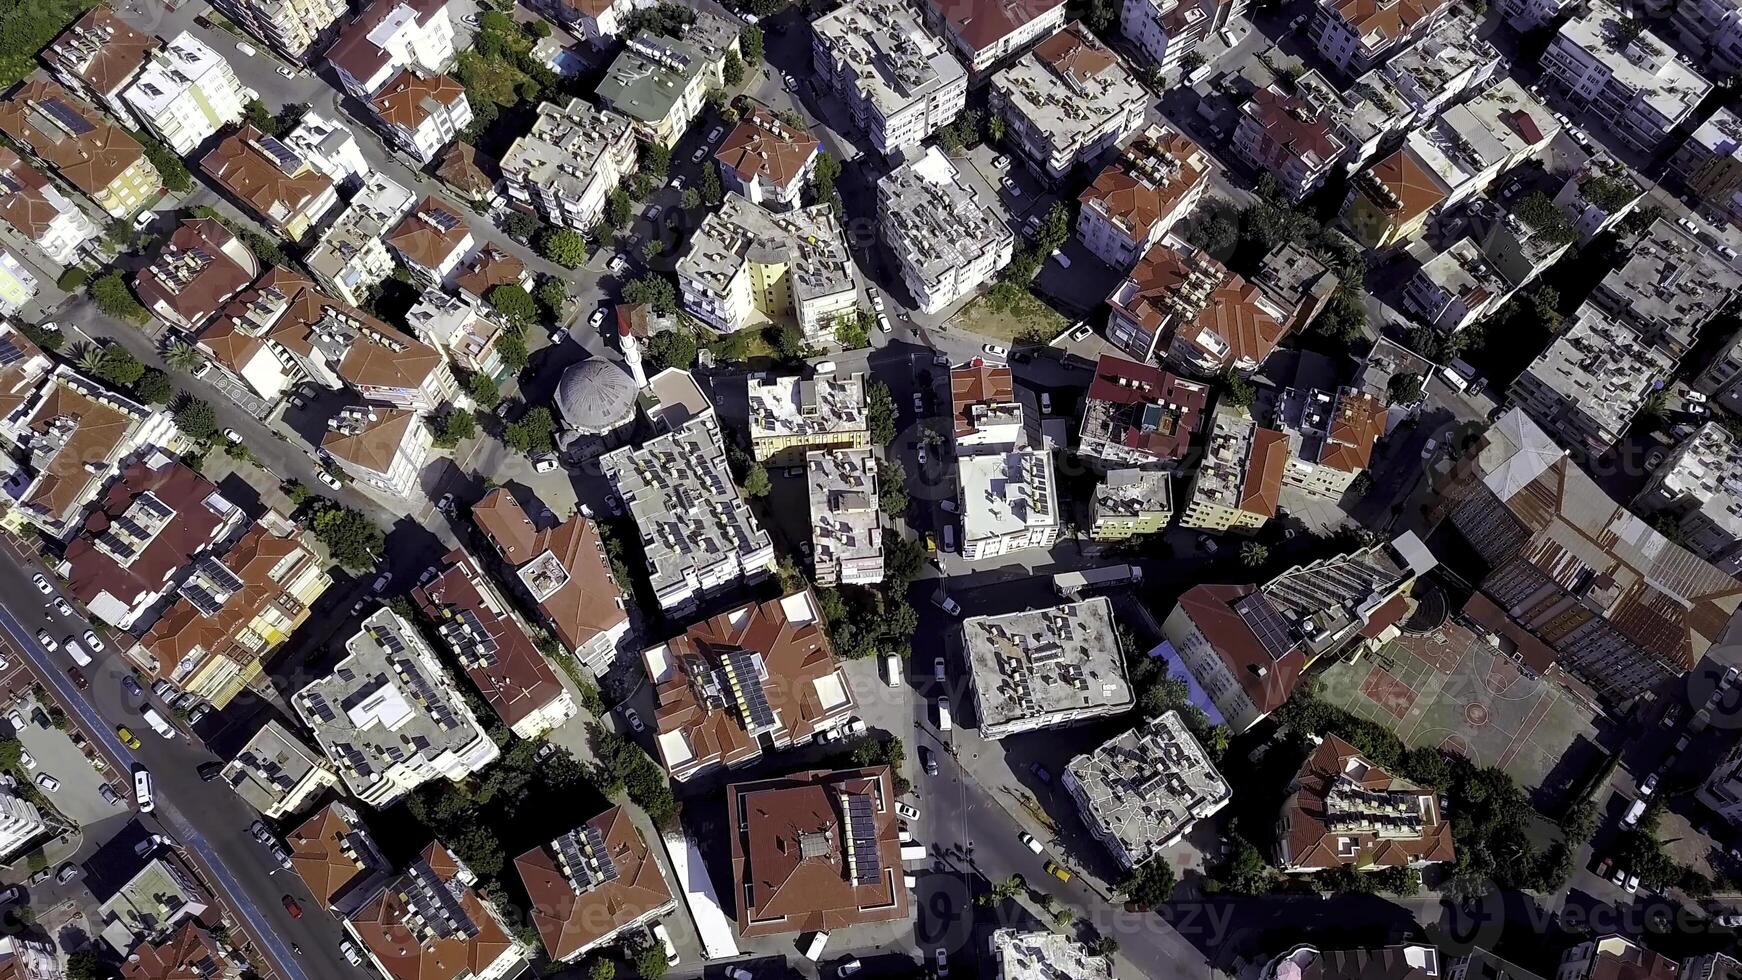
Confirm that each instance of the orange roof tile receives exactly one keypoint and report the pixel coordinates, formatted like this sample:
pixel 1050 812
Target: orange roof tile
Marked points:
pixel 90 160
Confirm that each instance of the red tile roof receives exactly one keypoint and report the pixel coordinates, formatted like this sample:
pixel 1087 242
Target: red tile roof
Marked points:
pixel 1356 425
pixel 1325 824
pixel 982 24
pixel 582 603
pixel 190 953
pixel 1267 681
pixel 89 161
pixel 569 922
pixel 101 50
pixel 1154 174
pixel 978 382
pixel 409 949
pixel 1262 490
pixel 249 174
pixel 199 512
pixel 335 855
pixel 199 269
pixel 1144 408
pixel 357 54
pixel 430 235
pixel 762 146
pixel 1402 185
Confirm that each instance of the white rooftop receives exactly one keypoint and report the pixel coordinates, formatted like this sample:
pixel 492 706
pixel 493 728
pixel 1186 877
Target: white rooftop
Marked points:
pixel 564 146
pixel 1148 786
pixel 896 60
pixel 845 532
pixel 809 240
pixel 939 221
pixel 1045 956
pixel 1491 128
pixel 171 71
pixel 799 406
pixel 1006 492
pixel 1647 64
pixel 1060 663
pixel 1602 366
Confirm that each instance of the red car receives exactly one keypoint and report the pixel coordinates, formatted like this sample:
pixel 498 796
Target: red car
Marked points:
pixel 78 679
pixel 291 906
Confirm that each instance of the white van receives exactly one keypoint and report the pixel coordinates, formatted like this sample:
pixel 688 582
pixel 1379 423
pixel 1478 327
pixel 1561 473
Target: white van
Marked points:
pixel 1633 814
pixel 912 852
pixel 78 653
pixel 892 670
pixel 157 723
pixel 1454 379
pixel 142 790
pixel 943 714
pixel 813 949
pixel 950 538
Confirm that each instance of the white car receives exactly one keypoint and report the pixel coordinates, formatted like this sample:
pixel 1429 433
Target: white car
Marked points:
pixel 1064 260
pixel 349 951
pixel 948 605
pixel 597 318
pixel 327 478
pixel 1427 451
pixel 664 937
pixel 918 403
pixel 144 218
pixel 939 670
pixel 905 811
pixel 701 151
pixel 1000 161
pixel 26 760
pixel 920 456
pixel 544 464
pixel 246 48
pixel 47 782
pixel 943 960
pixel 633 719
pixel 715 133
pixel 996 351
pixel 286 72
pixel 42 584
pixel 60 606
pixel 232 435
pixel 677 183
pixel 142 790
pixel 93 641
pixel 48 642
pixel 1029 842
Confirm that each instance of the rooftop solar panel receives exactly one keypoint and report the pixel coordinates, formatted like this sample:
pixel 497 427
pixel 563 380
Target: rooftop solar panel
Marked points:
pixel 67 117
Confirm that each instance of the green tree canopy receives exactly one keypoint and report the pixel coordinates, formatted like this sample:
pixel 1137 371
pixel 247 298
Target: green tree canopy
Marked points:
pixel 196 419
pixel 514 303
pixel 351 538
pixel 563 246
pixel 655 290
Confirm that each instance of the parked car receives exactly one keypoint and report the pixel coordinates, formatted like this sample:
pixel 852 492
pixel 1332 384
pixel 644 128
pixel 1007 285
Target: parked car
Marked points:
pixel 929 760
pixel 348 949
pixel 328 479
pixel 1650 784
pixel 1040 773
pixel 292 906
pixel 1028 840
pixel 942 958
pixel 126 736
pixel 209 771
pixel 142 791
pixel 660 933
pixel 42 584
pixel 381 582
pixel 633 719
pixel 47 781
pixel 246 48
pixel 93 641
pixel 26 760
pixel 544 464
pixel 48 642
pixel 258 831
pixel 1058 871
pixel 938 671
pixel 108 794
pixel 162 688
pixel 77 676
pixel 68 872
pixel 906 811
pixel 947 604
pixel 995 350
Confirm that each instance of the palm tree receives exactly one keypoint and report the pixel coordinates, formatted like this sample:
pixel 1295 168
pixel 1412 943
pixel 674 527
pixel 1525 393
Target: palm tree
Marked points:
pixel 88 357
pixel 183 356
pixel 1253 554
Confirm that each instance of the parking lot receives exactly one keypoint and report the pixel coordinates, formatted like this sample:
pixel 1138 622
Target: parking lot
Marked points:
pixel 55 755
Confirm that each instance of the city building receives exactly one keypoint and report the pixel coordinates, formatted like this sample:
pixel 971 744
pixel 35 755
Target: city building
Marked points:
pixel 430 923
pixel 276 774
pixel 1342 810
pixel 265 176
pixel 148 530
pixel 1713 30
pixel 987 32
pixel 1612 955
pixel 791 415
pixel 598 21
pixel 147 907
pixel 815 851
pixel 1157 180
pixel 490 267
pixel 21 824
pixel 1045 956
pixel 389 716
pixel 1356 35
pixel 1238 485
pixel 1669 286
pixel 1009 501
pixel 1632 80
pixel 422 113
pixel 462 329
pixel 1040 668
pixel 201 267
pixel 846 535
pixel 983 405
pixel 895 78
pixel 1722 790
pixel 470 174
pixel 1411 961
pixel 1142 791
pixel 190 952
pixel 1451 59
pixel 389 37
pixel 757 677
pixel 1181 306
pixel 229 616
pixel 1289 137
pixel 1455 288
pixel 748 265
pixel 69 436
pixel 432 240
pixel 1247 646
pixel 660 83
pixel 1389 203
pixel 1699 489
pixel 338 859
pixel 381 447
pixel 1168 30
pixel 1624 611
pixel 766 159
pixel 698 534
pixel 186 93
pixel 330 148
pixel 84 149
pixel 593 884
pixel 295 28
pixel 1139 415
pixel 1130 502
pixel 33 210
pixel 598 398
pixel 17 284
pixel 564 570
pixel 1066 102
pixel 1588 385
pixel 946 240
pixel 568 164
pixel 1709 163
pixel 1470 144
pixel 351 258
pixel 1330 437
pixel 489 642
pixel 97 57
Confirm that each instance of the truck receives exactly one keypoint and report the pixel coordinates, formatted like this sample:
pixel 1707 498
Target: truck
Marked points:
pixel 912 852
pixel 1075 583
pixel 813 947
pixel 158 724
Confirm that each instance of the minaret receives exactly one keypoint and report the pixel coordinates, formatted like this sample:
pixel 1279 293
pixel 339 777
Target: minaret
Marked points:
pixel 631 349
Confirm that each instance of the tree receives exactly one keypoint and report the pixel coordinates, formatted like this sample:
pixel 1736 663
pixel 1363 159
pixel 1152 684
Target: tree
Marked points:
pixel 1150 885
pixel 750 42
pixel 618 207
pixel 656 160
pixel 994 129
pixel 183 356
pixel 87 965
pixel 655 290
pixel 1243 871
pixel 733 70
pixel 756 482
pixel 169 166
pixel 1192 61
pixel 515 305
pixel 564 246
pixel 823 178
pixel 1404 389
pixel 1344 318
pixel 853 332
pixel 512 349
pixel 533 435
pixel 1240 390
pixel 482 388
pixel 351 538
pixel 454 427
pixel 1055 228
pixel 712 192
pixel 553 295
pixel 650 962
pixel 892 487
pixel 673 348
pixel 602 970
pixel 1253 554
pixel 153 387
pixel 520 226
pixel 196 419
pixel 256 114
pixel 111 295
pixel 880 413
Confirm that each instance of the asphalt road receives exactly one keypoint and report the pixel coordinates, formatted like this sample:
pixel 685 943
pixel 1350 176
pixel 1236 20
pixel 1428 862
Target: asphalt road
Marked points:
pixel 211 824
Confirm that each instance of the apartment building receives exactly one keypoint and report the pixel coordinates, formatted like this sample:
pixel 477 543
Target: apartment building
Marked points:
pixel 983 405
pixel 1713 29
pixel 1669 287
pixel 1356 35
pixel 1129 502
pixel 488 268
pixel 896 78
pixel 21 824
pixel 87 151
pixel 33 210
pixel 762 675
pixel 1287 136
pixel 432 241
pixel 767 160
pixel 1614 955
pixel 351 258
pixel 563 570
pixel 1045 956
pixel 1709 164
pixel 98 57
pixel 593 884
pixel 281 188
pixel 422 113
pixel 330 148
pixel 147 902
pixel 1331 436
pixel 946 240
pixel 661 84
pixel 1157 180
pixel 1167 30
pixel 1389 203
pixel 1247 646
pixel 1344 811
pixel 789 416
pixel 1699 489
pixel 598 21
pixel 389 716
pixel 276 774
pixel 186 93
pixel 1722 790
pixel 985 33
pixel 566 166
pixel 1630 78
pixel 17 284
pixel 827 845
pixel 1613 615
pixel 747 265
pixel 462 329
pixel 1456 288
pixel 430 923
pixel 294 28
pixel 1470 144
pixel 338 859
pixel 1041 668
pixel 1009 501
pixel 1139 415
pixel 1587 386
pixel 147 532
pixel 1067 102
pixel 200 268
pixel 846 532
pixel 380 447
pixel 1449 61
pixel 389 37
pixel 190 951
pixel 699 535
pixel 229 616
pixel 1140 792
pixel 485 637
pixel 1239 483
